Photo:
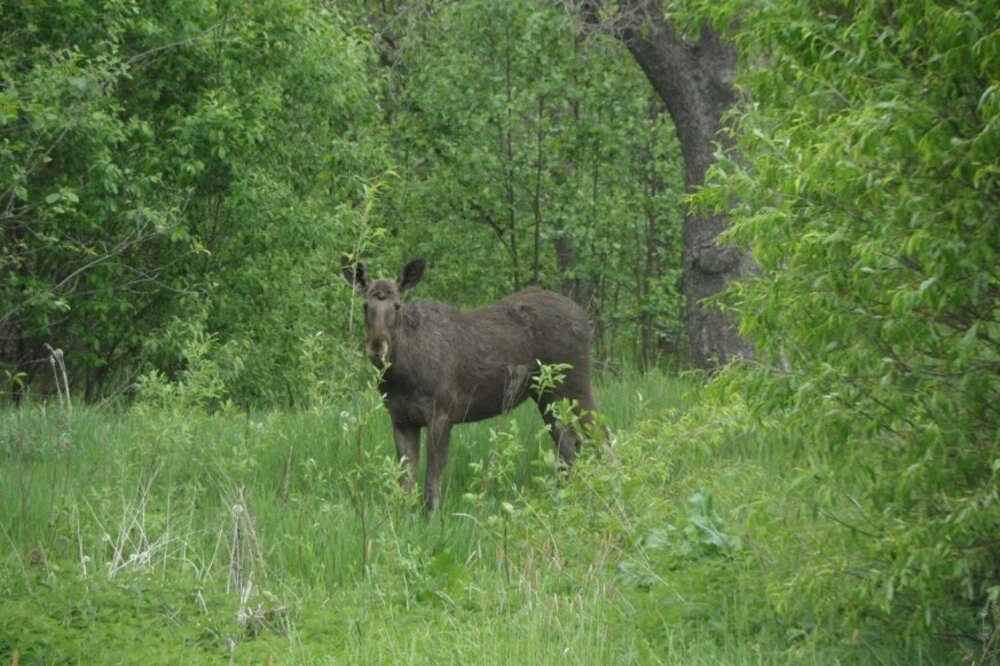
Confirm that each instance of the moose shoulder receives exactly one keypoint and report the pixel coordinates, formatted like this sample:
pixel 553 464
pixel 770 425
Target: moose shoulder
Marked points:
pixel 445 366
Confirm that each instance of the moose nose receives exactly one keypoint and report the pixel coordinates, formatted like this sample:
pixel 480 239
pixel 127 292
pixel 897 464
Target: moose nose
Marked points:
pixel 378 352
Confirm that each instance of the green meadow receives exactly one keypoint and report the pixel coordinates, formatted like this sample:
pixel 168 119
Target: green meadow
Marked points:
pixel 161 534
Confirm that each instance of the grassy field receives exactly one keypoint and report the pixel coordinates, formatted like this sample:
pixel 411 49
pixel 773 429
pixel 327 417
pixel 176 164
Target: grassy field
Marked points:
pixel 167 535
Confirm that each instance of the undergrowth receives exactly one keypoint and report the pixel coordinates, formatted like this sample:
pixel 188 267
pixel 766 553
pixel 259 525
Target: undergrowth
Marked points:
pixel 169 532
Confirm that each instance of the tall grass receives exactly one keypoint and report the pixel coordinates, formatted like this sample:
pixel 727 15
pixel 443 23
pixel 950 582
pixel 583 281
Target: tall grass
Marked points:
pixel 157 534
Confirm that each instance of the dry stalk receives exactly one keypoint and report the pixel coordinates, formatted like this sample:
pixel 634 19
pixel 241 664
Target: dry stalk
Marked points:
pixel 286 478
pixel 59 371
pixel 245 555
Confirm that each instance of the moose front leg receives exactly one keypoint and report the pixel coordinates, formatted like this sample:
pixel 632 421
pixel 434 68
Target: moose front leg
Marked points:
pixel 438 436
pixel 407 448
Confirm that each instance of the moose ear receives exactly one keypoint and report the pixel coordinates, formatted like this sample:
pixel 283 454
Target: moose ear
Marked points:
pixel 356 277
pixel 412 273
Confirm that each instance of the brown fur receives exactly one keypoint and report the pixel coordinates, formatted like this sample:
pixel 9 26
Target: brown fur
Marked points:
pixel 448 366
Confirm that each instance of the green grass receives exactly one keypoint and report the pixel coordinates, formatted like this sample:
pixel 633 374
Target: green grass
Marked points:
pixel 154 535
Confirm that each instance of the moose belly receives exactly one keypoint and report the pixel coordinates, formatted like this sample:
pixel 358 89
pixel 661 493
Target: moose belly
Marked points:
pixel 464 399
pixel 493 393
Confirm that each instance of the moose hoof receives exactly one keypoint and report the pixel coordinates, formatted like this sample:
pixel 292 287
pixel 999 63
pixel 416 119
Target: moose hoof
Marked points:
pixel 431 502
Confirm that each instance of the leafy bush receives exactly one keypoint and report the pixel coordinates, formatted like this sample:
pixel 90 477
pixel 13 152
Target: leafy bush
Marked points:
pixel 869 195
pixel 198 161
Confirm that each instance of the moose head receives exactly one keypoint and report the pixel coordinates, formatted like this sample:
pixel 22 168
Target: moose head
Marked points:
pixel 383 299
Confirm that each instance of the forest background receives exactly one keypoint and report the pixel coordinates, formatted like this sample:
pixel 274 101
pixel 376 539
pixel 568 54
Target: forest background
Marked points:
pixel 178 183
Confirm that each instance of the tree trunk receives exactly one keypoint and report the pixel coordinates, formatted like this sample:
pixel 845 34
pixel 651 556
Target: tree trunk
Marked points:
pixel 572 285
pixel 694 79
pixel 508 148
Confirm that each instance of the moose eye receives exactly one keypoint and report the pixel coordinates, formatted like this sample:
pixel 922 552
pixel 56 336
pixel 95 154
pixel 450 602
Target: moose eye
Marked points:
pixel 397 306
pixel 365 306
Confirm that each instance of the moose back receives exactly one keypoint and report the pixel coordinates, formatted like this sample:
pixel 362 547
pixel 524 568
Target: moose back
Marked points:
pixel 444 366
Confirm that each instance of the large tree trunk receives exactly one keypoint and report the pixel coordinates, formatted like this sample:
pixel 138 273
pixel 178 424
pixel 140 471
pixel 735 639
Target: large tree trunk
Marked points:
pixel 695 81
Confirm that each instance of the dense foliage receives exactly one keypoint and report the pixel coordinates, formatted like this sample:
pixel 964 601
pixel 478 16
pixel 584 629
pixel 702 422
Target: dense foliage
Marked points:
pixel 870 195
pixel 175 171
pixel 179 179
pixel 531 155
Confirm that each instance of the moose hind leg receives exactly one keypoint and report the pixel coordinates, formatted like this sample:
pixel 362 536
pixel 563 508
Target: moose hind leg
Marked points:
pixel 567 440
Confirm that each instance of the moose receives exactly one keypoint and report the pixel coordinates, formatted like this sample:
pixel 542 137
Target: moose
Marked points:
pixel 441 365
